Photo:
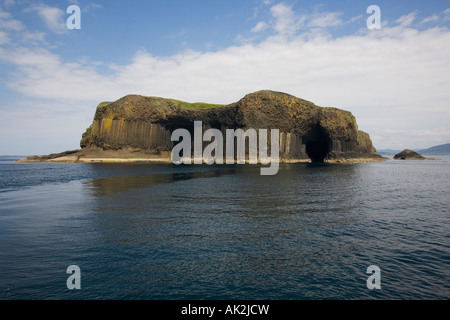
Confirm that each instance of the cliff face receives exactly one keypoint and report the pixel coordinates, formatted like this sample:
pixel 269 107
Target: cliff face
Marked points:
pixel 306 130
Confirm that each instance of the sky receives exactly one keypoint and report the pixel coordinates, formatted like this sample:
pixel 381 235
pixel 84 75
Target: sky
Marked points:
pixel 395 79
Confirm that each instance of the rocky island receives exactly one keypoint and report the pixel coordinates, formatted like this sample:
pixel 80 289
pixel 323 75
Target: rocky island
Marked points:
pixel 139 128
pixel 408 155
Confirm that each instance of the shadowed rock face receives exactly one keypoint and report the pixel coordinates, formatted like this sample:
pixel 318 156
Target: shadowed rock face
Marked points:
pixel 306 130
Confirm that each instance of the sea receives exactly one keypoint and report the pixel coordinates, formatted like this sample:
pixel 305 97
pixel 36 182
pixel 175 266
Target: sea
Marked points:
pixel 366 231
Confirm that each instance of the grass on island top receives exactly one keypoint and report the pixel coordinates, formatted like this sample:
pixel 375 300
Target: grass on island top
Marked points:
pixel 198 105
pixel 103 104
pixel 195 105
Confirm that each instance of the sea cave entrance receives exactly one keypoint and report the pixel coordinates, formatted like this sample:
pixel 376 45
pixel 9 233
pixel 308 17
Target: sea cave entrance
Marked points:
pixel 318 144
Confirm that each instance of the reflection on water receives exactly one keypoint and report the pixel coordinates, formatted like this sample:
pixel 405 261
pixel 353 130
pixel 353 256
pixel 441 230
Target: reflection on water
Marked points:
pixel 108 186
pixel 206 233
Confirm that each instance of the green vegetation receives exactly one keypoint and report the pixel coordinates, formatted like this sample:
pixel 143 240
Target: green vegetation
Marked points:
pixel 198 105
pixel 183 104
pixel 103 104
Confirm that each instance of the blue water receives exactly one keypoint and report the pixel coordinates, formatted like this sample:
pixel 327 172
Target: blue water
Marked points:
pixel 154 231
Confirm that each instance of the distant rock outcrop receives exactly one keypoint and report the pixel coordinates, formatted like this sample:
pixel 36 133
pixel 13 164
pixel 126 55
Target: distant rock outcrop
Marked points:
pixel 141 127
pixel 408 155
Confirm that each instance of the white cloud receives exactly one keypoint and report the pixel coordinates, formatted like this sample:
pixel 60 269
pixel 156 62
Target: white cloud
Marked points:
pixel 57 79
pixel 3 37
pixel 12 24
pixel 391 67
pixel 407 20
pixel 8 3
pixel 433 18
pixel 327 19
pixel 447 14
pixel 356 18
pixel 91 5
pixel 286 21
pixel 178 34
pixel 7 22
pixel 260 26
pixel 410 138
pixel 33 37
pixel 11 28
pixel 52 16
